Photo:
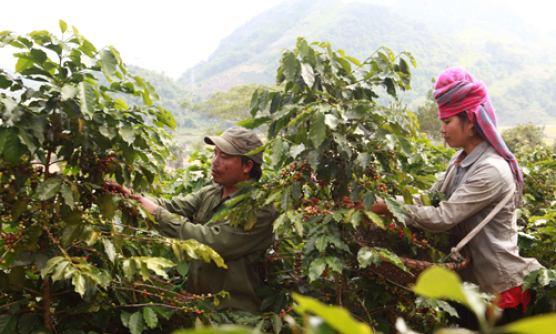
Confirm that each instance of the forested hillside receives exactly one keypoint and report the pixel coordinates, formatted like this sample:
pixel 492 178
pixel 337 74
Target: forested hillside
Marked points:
pixel 515 61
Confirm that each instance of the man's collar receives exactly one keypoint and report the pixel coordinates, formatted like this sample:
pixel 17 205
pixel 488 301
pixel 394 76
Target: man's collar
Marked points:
pixel 239 191
pixel 467 161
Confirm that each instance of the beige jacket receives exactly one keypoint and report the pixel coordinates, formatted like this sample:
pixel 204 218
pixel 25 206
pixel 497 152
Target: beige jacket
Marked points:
pixel 480 181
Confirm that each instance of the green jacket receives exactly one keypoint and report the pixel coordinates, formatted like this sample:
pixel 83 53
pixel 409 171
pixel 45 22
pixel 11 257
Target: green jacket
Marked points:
pixel 241 250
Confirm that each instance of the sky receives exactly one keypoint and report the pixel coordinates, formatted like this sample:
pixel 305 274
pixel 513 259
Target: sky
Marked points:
pixel 171 36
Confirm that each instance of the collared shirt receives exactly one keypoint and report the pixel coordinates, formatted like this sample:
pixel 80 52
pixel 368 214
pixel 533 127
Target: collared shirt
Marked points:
pixel 480 182
pixel 184 217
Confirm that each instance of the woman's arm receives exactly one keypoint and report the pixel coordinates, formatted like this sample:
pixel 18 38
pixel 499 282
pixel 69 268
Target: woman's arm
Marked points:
pixel 487 184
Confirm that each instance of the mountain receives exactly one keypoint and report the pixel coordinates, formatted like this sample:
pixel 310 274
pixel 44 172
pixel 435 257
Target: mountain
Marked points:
pixel 489 41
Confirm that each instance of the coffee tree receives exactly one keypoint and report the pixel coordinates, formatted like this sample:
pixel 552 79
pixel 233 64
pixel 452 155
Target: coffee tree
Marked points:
pixel 331 144
pixel 75 255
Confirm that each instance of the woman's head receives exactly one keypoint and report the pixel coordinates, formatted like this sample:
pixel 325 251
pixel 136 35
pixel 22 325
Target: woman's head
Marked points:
pixel 460 132
pixel 457 92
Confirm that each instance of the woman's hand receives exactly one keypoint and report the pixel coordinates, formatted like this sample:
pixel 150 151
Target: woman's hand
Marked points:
pixel 379 207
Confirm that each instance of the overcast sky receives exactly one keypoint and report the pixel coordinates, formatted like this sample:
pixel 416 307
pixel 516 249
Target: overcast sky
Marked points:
pixel 170 35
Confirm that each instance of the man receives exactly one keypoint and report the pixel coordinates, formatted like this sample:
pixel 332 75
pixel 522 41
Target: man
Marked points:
pixel 241 250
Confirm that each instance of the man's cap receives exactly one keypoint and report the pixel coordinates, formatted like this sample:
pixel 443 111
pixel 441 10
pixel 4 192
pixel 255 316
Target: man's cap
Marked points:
pixel 238 141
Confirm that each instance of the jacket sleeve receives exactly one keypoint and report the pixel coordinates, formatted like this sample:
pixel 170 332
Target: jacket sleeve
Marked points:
pixel 484 187
pixel 231 243
pixel 185 206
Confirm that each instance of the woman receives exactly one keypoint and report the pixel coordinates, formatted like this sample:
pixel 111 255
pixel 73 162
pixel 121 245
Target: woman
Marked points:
pixel 482 174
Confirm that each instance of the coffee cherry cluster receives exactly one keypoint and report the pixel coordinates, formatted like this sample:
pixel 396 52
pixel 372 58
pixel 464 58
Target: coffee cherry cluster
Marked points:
pixel 8 238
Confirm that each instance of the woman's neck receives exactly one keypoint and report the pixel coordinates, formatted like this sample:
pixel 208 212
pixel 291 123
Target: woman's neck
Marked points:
pixel 471 145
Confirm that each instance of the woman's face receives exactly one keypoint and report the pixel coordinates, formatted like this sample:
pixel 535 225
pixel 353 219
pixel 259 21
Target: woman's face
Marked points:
pixel 456 135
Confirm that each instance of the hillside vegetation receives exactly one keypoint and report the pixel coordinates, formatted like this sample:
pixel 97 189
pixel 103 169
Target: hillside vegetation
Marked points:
pixel 495 45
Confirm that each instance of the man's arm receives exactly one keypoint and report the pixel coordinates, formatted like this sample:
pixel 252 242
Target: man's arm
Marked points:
pixel 231 243
pixel 182 205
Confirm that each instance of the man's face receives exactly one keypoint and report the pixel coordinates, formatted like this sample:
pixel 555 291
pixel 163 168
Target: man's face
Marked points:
pixel 228 170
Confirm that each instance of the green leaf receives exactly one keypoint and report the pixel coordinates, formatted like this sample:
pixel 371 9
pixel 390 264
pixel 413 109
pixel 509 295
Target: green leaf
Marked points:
pixel 150 317
pixel 68 92
pixel 353 60
pixel 396 208
pixel 13 148
pixel 321 243
pixel 8 322
pixel 411 59
pixel 136 323
pixel 254 122
pixel 277 323
pixel 109 249
pixel 389 52
pixel 120 105
pixel 87 96
pixel 376 219
pixel 48 188
pixel 369 200
pixel 540 324
pixel 316 268
pixel 18 207
pixel 278 153
pixel 336 316
pixel 22 64
pixel 318 129
pixel 63 26
pixel 156 264
pixel 53 262
pixel 67 194
pixel 17 275
pixel 290 66
pixel 39 55
pixel 125 317
pixel 108 207
pixel 438 283
pixel 307 74
pixel 70 233
pixel 108 63
pixel 27 322
pixel 128 135
pixel 296 150
pixel 276 101
pixel 183 268
pixel 60 271
pixel 28 140
pixel 78 282
pixel 367 256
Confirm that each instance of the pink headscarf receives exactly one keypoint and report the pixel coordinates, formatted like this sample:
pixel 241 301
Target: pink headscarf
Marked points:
pixel 456 91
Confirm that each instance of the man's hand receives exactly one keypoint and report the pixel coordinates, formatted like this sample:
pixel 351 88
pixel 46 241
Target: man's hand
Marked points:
pixel 146 203
pixel 119 188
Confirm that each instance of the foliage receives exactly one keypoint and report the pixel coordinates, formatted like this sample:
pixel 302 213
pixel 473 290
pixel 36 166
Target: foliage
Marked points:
pixel 525 135
pixel 75 256
pixel 232 105
pixel 537 218
pixel 435 283
pixel 427 116
pixel 330 145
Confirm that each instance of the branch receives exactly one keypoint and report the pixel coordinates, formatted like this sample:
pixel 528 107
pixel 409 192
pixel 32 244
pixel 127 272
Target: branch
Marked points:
pixel 26 288
pixel 150 304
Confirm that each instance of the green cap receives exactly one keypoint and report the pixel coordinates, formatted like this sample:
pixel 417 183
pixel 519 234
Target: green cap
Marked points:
pixel 238 141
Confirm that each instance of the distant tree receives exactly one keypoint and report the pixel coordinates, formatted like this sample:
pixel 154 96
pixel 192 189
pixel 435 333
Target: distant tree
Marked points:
pixel 233 105
pixel 526 135
pixel 427 116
